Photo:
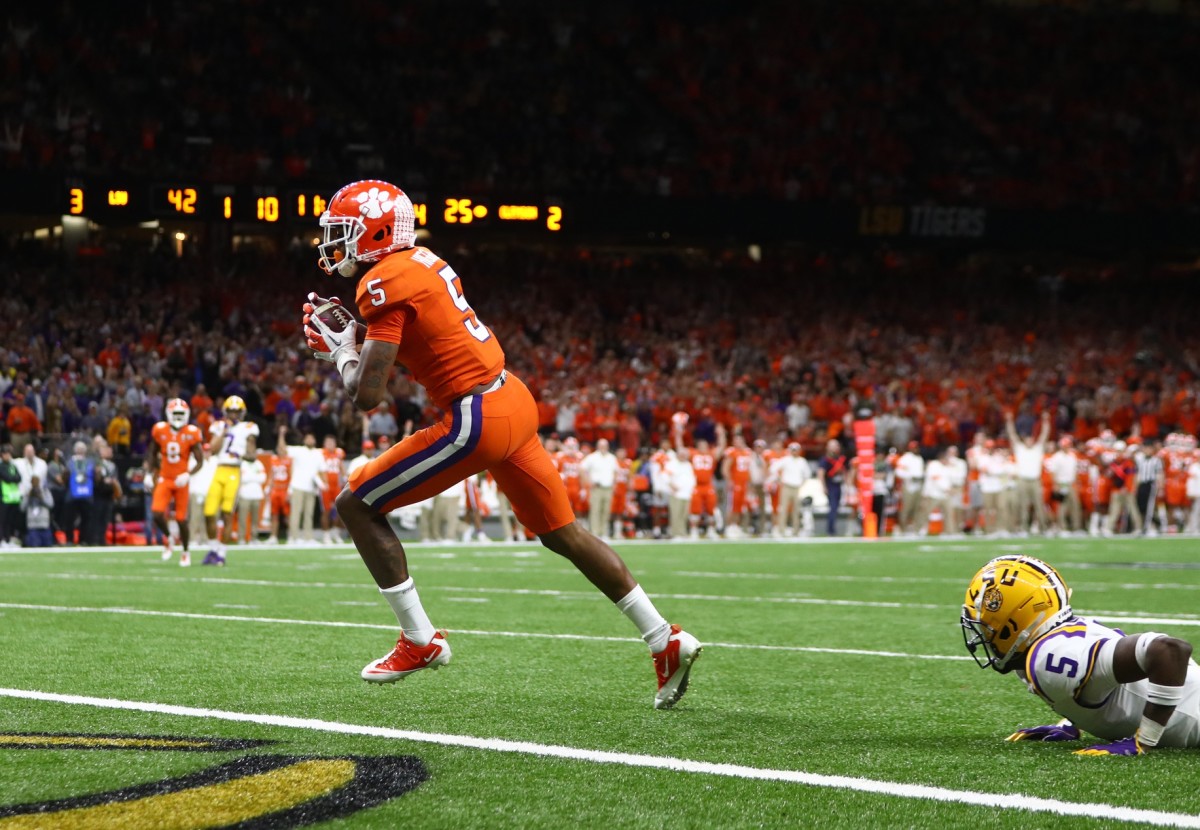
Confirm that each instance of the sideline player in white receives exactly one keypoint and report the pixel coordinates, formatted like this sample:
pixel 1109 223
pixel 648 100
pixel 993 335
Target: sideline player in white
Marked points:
pixel 233 439
pixel 1136 691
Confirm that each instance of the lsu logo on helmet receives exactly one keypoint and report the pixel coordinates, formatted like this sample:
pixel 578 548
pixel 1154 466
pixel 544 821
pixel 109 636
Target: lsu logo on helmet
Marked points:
pixel 1010 603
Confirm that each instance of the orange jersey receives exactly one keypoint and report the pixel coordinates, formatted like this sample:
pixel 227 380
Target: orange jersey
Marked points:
pixel 279 472
pixel 703 463
pixel 567 463
pixel 174 448
pixel 415 300
pixel 332 465
pixel 1176 476
pixel 742 461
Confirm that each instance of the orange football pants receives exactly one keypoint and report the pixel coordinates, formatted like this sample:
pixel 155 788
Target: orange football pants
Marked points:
pixel 494 431
pixel 164 491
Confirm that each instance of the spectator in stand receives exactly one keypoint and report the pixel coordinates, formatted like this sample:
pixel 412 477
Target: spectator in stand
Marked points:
pixel 382 422
pixel 120 431
pixel 10 499
pixel 93 422
pixel 38 504
pixel 23 424
pixel 831 470
pixel 1030 454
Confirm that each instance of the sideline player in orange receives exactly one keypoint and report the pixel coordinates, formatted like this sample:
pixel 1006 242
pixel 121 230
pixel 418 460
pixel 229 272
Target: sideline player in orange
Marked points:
pixel 279 473
pixel 736 467
pixel 174 442
pixel 333 469
pixel 702 512
pixel 416 315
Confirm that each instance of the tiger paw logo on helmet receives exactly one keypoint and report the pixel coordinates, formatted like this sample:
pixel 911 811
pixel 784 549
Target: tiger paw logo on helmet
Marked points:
pixel 375 202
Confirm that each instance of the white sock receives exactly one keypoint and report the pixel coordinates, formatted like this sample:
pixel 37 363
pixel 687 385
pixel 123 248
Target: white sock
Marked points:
pixel 409 612
pixel 655 630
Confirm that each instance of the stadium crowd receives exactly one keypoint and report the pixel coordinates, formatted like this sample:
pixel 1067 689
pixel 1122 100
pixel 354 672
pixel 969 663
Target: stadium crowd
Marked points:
pixel 831 101
pixel 96 349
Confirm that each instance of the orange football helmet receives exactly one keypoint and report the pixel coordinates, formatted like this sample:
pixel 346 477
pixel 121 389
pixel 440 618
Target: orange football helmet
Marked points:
pixel 364 222
pixel 178 413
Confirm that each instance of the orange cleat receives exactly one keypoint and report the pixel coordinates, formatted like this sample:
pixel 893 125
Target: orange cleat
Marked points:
pixel 408 657
pixel 673 664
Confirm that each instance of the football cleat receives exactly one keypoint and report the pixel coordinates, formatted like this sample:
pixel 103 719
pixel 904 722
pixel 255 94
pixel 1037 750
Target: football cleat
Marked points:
pixel 408 657
pixel 166 554
pixel 185 559
pixel 673 664
pixel 213 558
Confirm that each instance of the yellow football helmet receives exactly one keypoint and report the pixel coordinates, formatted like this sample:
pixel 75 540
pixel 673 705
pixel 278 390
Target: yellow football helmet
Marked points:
pixel 1010 603
pixel 234 408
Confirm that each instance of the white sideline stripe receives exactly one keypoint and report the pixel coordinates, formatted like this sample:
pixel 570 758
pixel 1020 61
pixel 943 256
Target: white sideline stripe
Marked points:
pixel 1135 617
pixel 927 580
pixel 139 612
pixel 1003 801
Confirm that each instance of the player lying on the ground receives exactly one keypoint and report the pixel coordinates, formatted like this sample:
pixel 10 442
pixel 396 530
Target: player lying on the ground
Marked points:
pixel 1136 691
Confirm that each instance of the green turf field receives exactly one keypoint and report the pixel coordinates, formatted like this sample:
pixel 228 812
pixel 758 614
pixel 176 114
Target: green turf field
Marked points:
pixel 834 691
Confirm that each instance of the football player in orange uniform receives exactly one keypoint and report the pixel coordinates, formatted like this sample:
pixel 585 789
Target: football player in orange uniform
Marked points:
pixel 279 476
pixel 417 315
pixel 333 466
pixel 736 467
pixel 567 461
pixel 175 444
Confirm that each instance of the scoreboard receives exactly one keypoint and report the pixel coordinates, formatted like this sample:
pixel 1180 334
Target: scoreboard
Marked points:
pixel 117 201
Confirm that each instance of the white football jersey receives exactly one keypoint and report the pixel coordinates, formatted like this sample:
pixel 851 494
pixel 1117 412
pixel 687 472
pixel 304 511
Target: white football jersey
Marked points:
pixel 1071 668
pixel 232 439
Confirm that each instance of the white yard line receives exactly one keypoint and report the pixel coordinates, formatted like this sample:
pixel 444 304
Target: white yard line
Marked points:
pixel 894 789
pixel 139 612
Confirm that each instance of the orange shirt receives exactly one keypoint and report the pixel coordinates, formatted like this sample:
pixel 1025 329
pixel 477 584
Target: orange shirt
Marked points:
pixel 703 463
pixel 23 419
pixel 567 463
pixel 415 300
pixel 279 471
pixel 174 448
pixel 739 466
pixel 331 466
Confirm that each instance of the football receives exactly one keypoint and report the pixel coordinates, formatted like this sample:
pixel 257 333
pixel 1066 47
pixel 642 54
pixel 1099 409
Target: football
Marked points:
pixel 333 314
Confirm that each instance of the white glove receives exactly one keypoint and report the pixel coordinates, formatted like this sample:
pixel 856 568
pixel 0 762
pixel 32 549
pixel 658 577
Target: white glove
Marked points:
pixel 182 479
pixel 336 343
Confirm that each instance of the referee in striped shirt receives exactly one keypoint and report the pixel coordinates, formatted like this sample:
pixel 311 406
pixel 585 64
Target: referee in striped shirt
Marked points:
pixel 1149 482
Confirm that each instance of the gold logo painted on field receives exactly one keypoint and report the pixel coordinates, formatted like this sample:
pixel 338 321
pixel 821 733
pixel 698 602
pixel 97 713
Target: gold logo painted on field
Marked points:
pixel 263 791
